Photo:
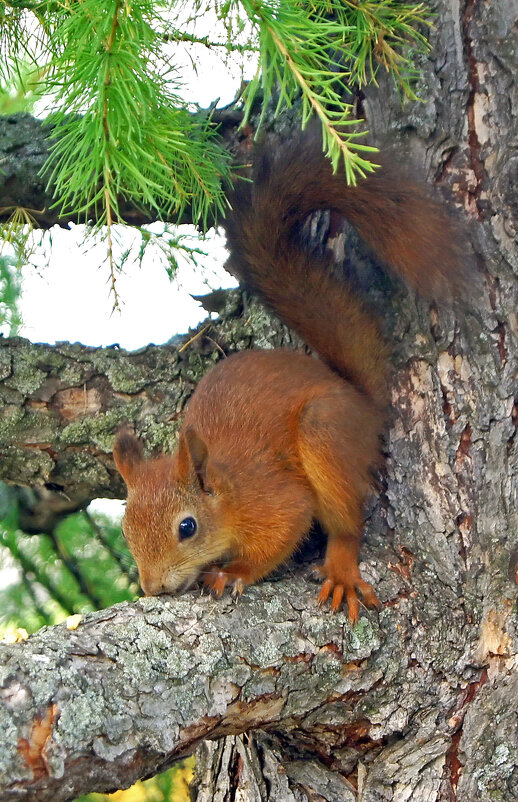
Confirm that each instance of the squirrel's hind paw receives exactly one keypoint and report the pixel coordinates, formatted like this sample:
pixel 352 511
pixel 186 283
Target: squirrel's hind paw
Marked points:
pixel 348 587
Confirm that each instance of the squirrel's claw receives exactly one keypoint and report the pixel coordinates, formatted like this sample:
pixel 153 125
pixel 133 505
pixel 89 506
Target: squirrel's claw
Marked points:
pixel 238 587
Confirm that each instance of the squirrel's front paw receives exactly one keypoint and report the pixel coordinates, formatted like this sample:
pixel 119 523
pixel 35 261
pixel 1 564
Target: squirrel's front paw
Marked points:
pixel 216 579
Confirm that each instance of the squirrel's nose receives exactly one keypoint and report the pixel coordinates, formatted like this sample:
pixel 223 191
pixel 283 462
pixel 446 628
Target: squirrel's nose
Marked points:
pixel 152 587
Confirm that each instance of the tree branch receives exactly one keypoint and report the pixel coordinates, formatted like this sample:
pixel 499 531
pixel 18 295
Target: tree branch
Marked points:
pixel 24 149
pixel 138 686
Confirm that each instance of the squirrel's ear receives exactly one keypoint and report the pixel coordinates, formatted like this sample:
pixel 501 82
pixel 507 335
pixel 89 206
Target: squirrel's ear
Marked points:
pixel 193 455
pixel 194 462
pixel 128 454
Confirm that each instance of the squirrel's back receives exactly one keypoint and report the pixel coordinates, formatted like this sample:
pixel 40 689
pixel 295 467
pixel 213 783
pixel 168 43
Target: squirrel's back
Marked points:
pixel 252 401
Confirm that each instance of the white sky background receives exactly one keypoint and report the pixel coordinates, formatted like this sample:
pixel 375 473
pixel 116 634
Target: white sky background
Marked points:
pixel 66 296
pixel 66 293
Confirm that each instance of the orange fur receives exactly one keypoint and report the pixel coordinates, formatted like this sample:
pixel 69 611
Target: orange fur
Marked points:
pixel 273 439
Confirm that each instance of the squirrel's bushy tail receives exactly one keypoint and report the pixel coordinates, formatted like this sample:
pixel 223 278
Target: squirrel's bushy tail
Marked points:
pixel 405 227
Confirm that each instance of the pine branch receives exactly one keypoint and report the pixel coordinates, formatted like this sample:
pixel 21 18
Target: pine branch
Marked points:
pixel 318 50
pixel 121 128
pixel 25 192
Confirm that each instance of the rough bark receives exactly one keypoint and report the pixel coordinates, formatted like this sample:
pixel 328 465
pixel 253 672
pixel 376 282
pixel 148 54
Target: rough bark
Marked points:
pixel 453 447
pixel 428 711
pixel 138 685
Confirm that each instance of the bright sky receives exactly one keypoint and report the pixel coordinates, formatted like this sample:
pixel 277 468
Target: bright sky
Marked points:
pixel 67 295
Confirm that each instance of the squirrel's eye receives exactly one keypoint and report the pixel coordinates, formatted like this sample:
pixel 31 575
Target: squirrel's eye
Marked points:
pixel 187 527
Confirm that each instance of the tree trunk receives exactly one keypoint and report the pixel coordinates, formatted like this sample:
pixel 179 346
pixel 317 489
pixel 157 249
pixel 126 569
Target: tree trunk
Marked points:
pixel 420 701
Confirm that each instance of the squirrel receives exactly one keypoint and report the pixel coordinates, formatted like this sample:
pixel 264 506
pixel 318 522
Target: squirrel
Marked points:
pixel 274 439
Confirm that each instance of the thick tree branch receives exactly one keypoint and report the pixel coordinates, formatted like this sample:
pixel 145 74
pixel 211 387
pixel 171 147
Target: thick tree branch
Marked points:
pixel 62 403
pixel 139 685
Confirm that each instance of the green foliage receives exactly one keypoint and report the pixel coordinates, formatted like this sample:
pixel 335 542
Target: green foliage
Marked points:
pixel 316 50
pixel 10 291
pixel 171 786
pixel 82 566
pixel 22 90
pixel 171 243
pixel 122 132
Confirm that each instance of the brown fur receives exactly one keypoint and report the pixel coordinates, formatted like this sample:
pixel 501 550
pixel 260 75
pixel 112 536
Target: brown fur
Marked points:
pixel 273 439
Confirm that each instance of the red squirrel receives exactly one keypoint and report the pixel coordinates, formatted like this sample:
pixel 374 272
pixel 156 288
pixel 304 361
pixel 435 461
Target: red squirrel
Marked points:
pixel 274 439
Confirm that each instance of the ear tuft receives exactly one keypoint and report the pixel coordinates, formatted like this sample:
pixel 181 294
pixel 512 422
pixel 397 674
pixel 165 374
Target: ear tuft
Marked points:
pixel 196 464
pixel 128 454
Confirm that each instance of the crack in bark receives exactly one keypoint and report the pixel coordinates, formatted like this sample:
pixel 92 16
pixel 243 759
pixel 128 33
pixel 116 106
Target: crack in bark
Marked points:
pixel 477 163
pixel 454 766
